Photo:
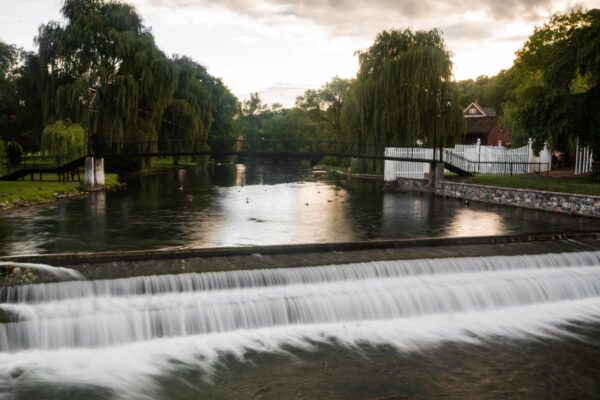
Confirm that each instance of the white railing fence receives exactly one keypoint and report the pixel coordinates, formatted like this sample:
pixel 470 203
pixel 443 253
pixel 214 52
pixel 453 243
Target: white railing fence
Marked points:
pixel 583 160
pixel 406 169
pixel 477 159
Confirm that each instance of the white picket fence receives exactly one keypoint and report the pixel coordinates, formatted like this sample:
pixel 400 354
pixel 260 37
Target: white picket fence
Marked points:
pixel 406 169
pixel 583 160
pixel 477 159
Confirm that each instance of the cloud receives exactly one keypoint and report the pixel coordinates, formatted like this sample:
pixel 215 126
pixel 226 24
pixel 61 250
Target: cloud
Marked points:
pixel 360 17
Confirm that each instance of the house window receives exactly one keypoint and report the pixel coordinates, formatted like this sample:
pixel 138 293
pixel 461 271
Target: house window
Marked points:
pixel 472 111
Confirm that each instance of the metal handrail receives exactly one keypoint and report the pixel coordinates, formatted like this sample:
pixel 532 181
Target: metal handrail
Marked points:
pixel 43 162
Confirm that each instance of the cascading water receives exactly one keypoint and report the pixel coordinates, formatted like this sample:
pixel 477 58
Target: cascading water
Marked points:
pixel 56 272
pixel 121 332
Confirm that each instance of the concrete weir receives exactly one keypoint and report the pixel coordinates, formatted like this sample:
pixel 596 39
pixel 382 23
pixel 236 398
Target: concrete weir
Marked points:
pixel 110 265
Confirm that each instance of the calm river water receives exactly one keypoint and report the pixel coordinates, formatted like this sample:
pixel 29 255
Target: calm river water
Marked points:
pixel 255 205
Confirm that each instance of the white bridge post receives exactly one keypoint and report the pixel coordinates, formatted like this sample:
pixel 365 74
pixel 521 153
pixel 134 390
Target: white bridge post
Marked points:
pixel 94 172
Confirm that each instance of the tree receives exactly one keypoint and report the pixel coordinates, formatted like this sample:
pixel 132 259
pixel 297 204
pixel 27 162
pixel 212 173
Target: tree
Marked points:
pixel 188 116
pixel 489 91
pixel 324 106
pixel 395 91
pixel 103 45
pixel 63 138
pixel 557 95
pixel 20 113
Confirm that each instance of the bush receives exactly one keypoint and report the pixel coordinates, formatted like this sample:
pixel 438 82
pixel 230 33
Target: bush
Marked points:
pixel 331 160
pixel 14 153
pixel 358 166
pixel 3 158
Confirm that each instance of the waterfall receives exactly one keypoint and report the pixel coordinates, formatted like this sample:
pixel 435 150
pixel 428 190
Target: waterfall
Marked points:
pixel 57 272
pixel 70 327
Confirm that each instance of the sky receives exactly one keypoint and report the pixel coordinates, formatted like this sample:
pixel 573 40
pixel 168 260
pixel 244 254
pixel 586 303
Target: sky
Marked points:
pixel 279 48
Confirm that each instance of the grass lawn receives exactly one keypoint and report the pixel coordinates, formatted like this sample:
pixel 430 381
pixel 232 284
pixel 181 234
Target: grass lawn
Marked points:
pixel 577 185
pixel 330 168
pixel 167 162
pixel 33 192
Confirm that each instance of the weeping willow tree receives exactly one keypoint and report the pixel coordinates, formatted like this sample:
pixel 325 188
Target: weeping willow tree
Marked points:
pixel 63 138
pixel 188 116
pixel 403 83
pixel 103 48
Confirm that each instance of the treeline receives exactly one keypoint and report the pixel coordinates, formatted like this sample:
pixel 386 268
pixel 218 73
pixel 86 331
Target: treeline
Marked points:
pixel 102 69
pixel 404 93
pixel 552 91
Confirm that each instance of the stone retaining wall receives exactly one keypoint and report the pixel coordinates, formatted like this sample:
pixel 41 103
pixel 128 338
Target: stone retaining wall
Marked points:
pixel 587 206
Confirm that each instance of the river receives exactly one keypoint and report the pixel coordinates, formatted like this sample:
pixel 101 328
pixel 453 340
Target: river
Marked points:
pixel 257 204
pixel 504 326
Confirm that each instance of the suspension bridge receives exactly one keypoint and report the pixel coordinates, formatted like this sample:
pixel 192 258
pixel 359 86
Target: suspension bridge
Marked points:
pixel 67 166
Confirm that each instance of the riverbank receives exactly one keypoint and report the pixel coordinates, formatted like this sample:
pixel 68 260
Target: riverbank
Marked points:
pixel 29 193
pixel 559 202
pixel 566 184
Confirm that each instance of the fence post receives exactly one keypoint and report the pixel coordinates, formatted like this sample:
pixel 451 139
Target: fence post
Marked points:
pixel 530 159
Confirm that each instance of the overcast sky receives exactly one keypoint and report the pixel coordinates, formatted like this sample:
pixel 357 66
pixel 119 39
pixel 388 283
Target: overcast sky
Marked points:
pixel 281 47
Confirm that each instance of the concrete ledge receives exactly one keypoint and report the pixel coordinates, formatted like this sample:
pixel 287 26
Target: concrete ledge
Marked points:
pixel 67 259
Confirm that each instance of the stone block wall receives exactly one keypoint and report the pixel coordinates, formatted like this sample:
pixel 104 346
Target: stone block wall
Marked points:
pixel 588 206
pixel 409 185
pixel 565 203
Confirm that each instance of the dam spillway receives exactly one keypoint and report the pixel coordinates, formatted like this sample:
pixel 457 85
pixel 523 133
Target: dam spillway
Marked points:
pixel 141 327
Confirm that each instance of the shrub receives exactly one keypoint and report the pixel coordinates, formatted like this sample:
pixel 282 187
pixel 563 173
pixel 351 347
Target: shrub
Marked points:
pixel 14 153
pixel 3 158
pixel 358 166
pixel 331 160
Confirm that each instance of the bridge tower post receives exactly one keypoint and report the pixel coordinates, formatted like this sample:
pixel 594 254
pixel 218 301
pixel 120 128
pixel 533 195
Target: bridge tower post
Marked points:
pixel 94 171
pixel 436 173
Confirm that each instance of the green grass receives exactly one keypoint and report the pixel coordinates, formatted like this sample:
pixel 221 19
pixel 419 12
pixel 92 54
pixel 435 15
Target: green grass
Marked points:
pixel 167 162
pixel 36 192
pixel 576 185
pixel 158 165
pixel 330 168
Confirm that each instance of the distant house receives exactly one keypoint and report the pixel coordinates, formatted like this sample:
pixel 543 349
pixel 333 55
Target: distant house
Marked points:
pixel 483 123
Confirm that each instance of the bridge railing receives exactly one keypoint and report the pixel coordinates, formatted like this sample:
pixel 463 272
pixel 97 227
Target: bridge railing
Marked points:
pixel 35 163
pixel 218 146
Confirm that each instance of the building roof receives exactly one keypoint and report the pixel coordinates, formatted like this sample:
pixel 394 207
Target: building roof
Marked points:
pixel 482 125
pixel 474 110
pixel 489 112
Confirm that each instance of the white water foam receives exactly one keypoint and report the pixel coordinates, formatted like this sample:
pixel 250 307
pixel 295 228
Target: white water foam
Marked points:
pixel 286 276
pixel 58 272
pixel 122 334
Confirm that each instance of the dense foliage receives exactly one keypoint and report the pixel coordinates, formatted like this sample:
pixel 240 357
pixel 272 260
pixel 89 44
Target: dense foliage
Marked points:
pixel 403 83
pixel 552 92
pixel 101 69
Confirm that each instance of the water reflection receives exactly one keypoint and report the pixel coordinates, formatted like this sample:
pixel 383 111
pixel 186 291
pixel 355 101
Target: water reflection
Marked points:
pixel 255 204
pixel 467 222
